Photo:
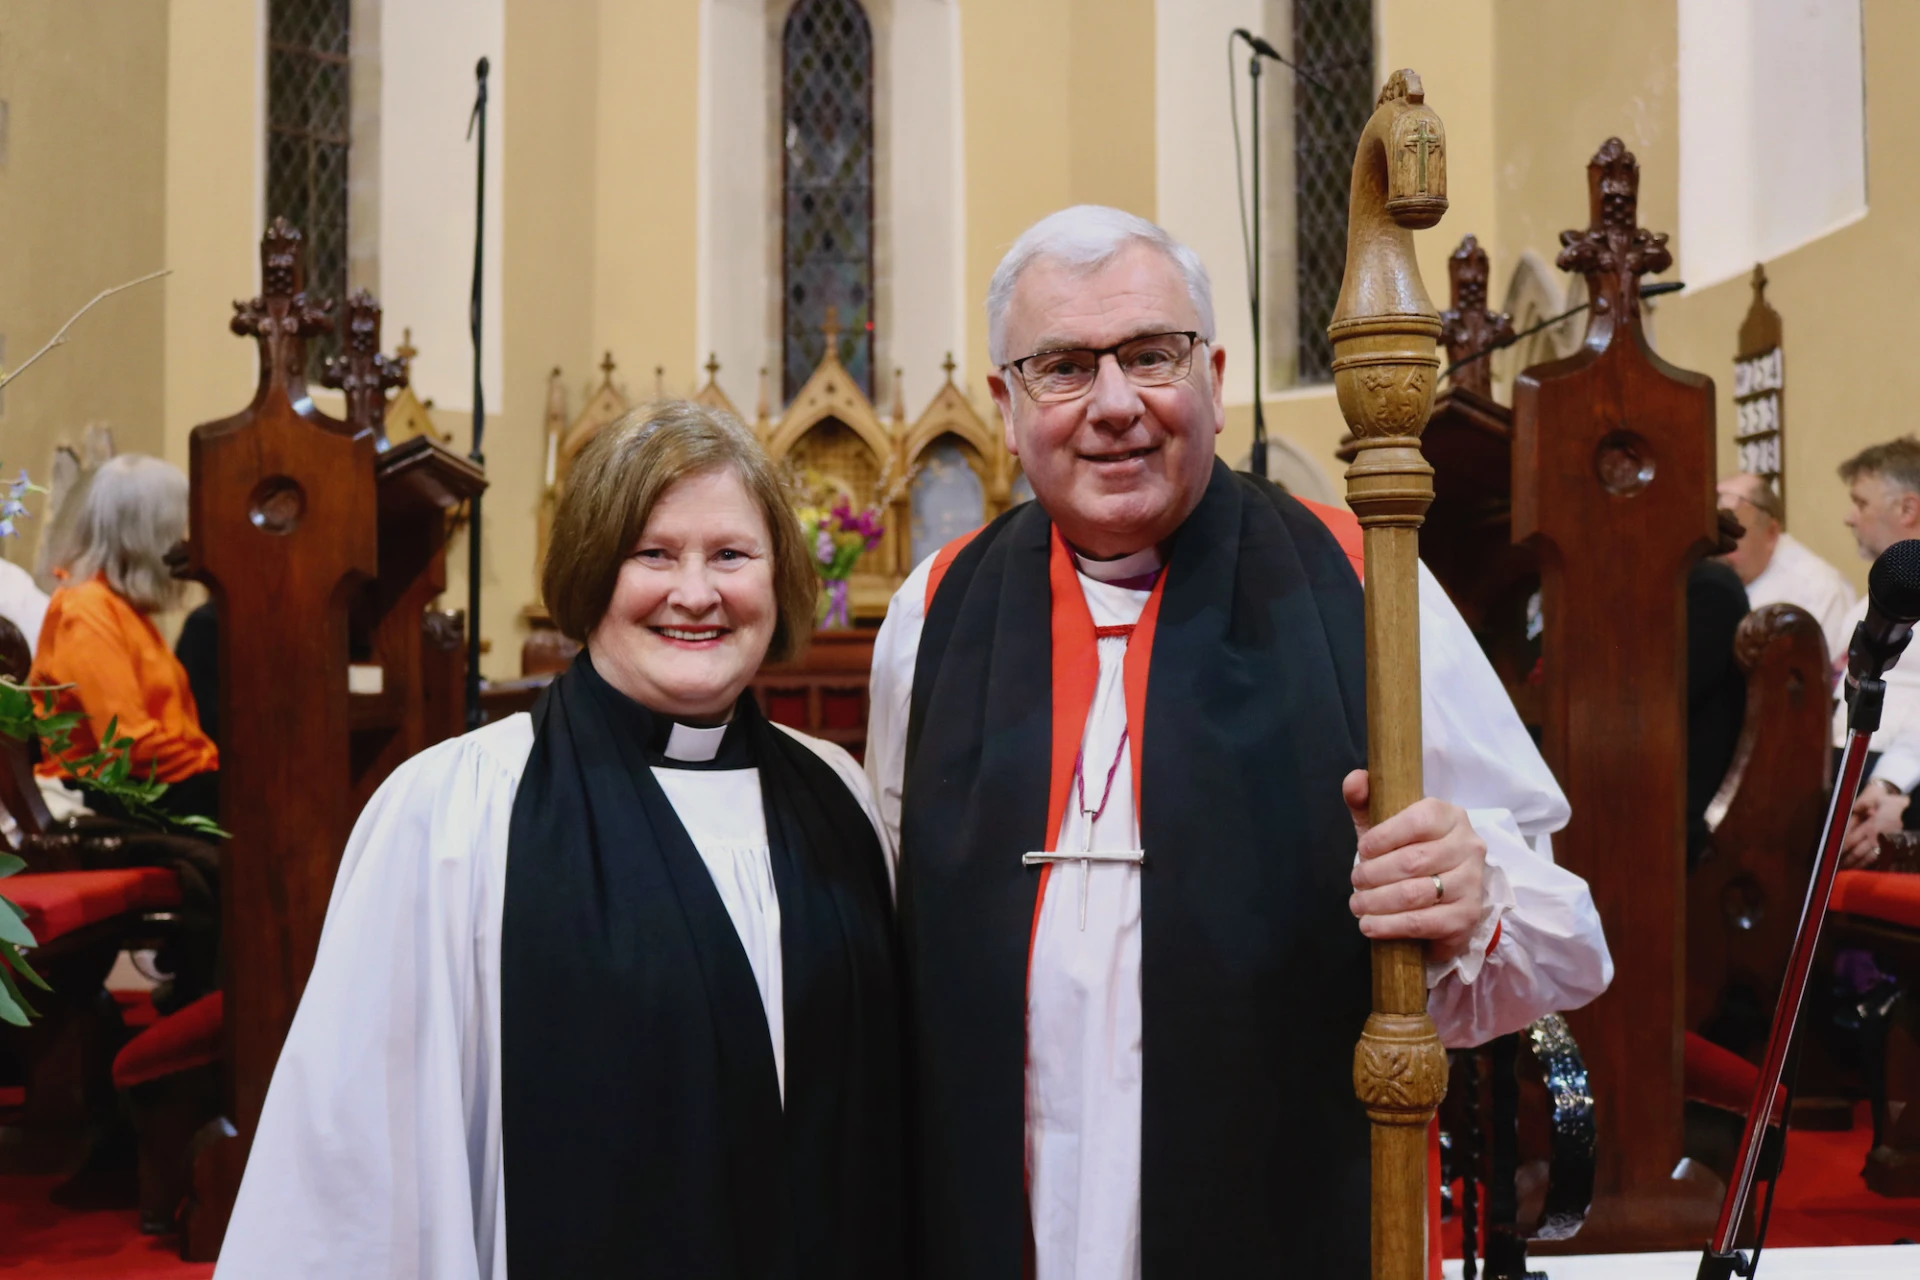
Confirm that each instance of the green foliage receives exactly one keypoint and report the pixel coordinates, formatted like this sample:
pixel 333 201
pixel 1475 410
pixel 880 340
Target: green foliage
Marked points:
pixel 107 770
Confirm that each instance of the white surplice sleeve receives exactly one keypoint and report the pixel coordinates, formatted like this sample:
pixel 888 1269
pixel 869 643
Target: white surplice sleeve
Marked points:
pixel 1549 953
pixel 890 697
pixel 378 1152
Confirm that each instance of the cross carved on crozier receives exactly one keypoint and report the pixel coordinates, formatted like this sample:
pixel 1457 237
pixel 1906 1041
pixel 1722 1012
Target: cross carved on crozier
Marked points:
pixel 1423 141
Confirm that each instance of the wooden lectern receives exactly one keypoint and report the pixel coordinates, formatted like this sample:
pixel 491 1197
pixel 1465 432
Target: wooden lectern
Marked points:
pixel 282 530
pixel 1614 449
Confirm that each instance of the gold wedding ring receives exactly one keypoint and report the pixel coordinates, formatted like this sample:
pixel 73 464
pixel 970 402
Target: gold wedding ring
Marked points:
pixel 1439 890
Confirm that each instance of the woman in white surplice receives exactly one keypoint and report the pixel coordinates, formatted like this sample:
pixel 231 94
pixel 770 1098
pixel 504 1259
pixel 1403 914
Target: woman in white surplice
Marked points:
pixel 608 989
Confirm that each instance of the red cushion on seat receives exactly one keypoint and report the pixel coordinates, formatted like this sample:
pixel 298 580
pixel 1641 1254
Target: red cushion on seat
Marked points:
pixel 1722 1078
pixel 179 1041
pixel 59 902
pixel 1891 896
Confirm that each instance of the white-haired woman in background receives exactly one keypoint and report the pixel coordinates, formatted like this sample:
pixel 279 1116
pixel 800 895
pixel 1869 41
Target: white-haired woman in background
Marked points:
pixel 98 637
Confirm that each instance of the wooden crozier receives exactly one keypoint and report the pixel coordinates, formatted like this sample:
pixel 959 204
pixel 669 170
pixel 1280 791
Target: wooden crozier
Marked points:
pixel 1384 368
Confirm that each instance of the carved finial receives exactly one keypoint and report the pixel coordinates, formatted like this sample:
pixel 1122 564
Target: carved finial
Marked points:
pixel 949 366
pixel 361 372
pixel 1614 251
pixel 1759 282
pixel 899 407
pixel 831 328
pixel 1404 83
pixel 712 368
pixel 1468 328
pixel 606 369
pixel 760 405
pixel 282 317
pixel 405 351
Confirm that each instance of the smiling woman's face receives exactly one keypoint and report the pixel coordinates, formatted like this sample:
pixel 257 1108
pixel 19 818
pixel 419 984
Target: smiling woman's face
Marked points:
pixel 693 609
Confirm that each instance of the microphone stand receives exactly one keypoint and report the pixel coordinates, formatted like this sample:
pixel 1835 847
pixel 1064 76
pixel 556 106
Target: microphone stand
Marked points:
pixel 478 120
pixel 1721 1261
pixel 1257 460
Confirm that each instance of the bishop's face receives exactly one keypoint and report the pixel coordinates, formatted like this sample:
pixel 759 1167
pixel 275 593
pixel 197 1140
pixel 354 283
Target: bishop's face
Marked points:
pixel 693 608
pixel 1120 467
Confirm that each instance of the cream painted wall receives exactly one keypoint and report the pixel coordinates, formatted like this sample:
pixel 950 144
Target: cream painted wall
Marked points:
pixel 738 245
pixel 546 320
pixel 1772 151
pixel 925 318
pixel 1194 190
pixel 429 48
pixel 1024 113
pixel 645 189
pixel 82 208
pixel 212 218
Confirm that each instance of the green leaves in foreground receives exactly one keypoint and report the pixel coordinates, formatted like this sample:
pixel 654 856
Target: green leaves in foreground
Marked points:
pixel 14 935
pixel 108 771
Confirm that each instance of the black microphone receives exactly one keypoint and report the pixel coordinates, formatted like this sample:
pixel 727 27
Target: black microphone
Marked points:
pixel 1258 45
pixel 1893 606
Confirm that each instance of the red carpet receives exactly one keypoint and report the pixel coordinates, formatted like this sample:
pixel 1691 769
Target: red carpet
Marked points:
pixel 40 1239
pixel 1823 1200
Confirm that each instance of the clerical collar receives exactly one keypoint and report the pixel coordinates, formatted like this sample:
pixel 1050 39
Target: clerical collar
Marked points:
pixel 673 745
pixel 667 742
pixel 1136 571
pixel 693 744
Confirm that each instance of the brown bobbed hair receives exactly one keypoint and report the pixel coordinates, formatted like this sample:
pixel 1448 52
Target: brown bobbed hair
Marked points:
pixel 611 491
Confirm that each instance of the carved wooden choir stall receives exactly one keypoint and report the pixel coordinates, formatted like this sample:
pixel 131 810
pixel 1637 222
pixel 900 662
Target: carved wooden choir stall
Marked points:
pixel 1596 491
pixel 322 547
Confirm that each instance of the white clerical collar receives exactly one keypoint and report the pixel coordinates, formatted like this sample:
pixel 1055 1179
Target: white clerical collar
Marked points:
pixel 1138 565
pixel 693 744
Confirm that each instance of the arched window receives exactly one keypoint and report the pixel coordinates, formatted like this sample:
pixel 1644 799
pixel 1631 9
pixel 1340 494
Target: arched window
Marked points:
pixel 827 126
pixel 309 114
pixel 1333 43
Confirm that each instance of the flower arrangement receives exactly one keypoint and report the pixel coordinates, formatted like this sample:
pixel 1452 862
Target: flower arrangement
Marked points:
pixel 839 534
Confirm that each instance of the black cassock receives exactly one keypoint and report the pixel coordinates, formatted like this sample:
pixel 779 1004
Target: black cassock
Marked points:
pixel 643 1128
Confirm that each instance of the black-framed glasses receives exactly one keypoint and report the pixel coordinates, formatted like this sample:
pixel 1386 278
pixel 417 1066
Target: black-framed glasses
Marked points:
pixel 1151 360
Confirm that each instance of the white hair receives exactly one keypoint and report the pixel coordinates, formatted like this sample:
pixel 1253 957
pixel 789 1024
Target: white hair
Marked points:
pixel 1084 238
pixel 136 509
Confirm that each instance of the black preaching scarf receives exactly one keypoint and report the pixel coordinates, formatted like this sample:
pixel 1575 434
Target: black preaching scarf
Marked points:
pixel 1255 978
pixel 643 1128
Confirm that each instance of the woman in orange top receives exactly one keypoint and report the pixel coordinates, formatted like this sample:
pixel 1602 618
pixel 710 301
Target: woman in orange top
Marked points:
pixel 99 639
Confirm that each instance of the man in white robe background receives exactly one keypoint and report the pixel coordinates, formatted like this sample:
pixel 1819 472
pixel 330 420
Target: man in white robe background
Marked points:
pixel 1777 568
pixel 1883 507
pixel 1118 470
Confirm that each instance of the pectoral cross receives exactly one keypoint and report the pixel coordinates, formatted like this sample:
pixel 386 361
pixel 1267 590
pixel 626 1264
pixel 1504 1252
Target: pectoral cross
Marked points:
pixel 1420 143
pixel 1086 858
pixel 1090 814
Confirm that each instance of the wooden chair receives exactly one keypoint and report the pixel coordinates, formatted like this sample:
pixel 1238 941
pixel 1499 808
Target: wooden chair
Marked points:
pixel 1744 899
pixel 1880 909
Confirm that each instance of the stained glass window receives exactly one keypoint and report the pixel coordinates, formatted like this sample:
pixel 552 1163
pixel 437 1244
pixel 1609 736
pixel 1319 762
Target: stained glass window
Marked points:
pixel 309 105
pixel 827 77
pixel 1333 42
